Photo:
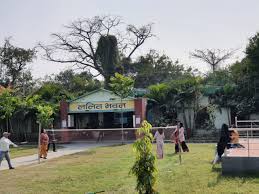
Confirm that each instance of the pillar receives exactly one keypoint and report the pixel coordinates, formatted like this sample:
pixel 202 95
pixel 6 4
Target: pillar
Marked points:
pixel 140 110
pixel 64 120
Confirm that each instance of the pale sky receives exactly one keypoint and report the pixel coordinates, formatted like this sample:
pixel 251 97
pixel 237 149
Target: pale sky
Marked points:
pixel 180 26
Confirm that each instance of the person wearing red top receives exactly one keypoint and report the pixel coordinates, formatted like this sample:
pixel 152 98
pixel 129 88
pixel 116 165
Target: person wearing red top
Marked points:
pixel 44 141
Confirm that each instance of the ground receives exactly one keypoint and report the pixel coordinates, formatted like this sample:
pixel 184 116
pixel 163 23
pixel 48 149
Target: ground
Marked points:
pixel 107 168
pixel 23 150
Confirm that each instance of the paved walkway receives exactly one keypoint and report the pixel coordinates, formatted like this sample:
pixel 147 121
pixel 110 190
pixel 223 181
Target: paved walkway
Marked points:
pixel 66 150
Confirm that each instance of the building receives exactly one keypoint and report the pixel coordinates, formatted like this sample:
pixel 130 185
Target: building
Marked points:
pixel 102 109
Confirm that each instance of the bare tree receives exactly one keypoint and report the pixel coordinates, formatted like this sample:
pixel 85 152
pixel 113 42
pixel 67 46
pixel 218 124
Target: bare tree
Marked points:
pixel 213 57
pixel 78 45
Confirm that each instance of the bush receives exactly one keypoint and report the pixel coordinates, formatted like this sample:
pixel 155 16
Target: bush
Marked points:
pixel 144 167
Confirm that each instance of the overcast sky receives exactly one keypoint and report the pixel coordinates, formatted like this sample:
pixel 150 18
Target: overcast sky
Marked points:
pixel 180 26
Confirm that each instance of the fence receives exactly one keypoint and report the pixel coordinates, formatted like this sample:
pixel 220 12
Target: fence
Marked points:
pixel 99 135
pixel 249 137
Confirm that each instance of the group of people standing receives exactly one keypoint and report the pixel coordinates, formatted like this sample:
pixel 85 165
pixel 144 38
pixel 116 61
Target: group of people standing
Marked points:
pixel 177 138
pixel 45 142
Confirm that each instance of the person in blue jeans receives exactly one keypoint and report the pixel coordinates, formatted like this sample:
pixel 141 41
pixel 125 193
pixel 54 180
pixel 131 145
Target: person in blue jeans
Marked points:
pixel 4 149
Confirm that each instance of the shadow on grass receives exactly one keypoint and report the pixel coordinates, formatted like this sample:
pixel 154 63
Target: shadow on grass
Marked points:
pixel 85 153
pixel 221 177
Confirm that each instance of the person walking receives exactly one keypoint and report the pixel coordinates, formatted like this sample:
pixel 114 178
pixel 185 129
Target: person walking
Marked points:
pixel 182 137
pixel 5 143
pixel 52 139
pixel 159 137
pixel 44 141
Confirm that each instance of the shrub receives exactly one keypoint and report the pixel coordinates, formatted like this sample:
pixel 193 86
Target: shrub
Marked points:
pixel 144 167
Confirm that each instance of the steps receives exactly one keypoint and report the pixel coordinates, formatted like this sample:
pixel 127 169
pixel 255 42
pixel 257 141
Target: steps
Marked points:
pixel 202 136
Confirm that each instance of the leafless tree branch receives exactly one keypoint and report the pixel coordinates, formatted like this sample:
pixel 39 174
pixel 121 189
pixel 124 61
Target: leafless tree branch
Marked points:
pixel 213 57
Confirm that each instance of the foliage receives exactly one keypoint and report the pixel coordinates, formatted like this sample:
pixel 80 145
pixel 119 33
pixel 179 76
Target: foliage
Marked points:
pixel 159 92
pixel 252 53
pixel 52 92
pixel 44 115
pixel 8 105
pixel 121 85
pixel 154 68
pixel 13 61
pixel 108 55
pixel 144 167
pixel 176 95
pixel 219 77
pixel 76 84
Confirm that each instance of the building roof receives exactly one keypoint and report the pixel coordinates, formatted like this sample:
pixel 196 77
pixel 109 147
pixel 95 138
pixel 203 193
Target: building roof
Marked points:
pixel 98 96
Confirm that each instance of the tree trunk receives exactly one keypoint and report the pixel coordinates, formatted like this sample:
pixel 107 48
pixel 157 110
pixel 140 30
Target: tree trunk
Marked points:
pixel 107 82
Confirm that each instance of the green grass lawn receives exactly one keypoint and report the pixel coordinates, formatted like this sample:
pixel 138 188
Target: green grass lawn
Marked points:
pixel 107 169
pixel 23 150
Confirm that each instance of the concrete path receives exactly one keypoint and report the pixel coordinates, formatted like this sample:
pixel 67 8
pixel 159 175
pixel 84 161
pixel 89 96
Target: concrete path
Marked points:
pixel 66 150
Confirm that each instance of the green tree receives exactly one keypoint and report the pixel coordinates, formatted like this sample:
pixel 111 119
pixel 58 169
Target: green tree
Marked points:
pixel 8 105
pixel 123 87
pixel 154 68
pixel 252 53
pixel 13 62
pixel 52 92
pixel 108 56
pixel 144 167
pixel 76 83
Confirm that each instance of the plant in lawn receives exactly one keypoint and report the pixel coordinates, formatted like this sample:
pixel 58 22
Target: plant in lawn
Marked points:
pixel 123 87
pixel 144 167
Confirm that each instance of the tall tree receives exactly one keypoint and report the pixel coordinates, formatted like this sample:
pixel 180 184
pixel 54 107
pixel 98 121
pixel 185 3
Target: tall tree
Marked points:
pixel 252 54
pixel 213 57
pixel 79 45
pixel 108 55
pixel 13 61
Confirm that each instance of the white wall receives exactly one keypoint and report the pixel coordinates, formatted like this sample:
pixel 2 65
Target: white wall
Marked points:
pixel 221 117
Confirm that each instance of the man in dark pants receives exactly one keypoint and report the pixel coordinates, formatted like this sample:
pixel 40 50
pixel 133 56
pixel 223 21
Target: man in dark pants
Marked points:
pixel 4 149
pixel 52 139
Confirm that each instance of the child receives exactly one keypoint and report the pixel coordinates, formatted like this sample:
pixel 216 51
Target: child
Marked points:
pixel 160 136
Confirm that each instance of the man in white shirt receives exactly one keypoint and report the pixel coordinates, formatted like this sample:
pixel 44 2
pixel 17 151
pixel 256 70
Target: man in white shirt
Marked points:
pixel 4 149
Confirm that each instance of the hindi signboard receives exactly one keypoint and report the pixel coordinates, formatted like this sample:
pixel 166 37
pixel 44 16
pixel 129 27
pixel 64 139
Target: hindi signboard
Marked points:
pixel 81 107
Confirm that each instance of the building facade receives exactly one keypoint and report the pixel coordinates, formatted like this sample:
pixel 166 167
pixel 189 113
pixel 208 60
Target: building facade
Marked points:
pixel 102 109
